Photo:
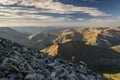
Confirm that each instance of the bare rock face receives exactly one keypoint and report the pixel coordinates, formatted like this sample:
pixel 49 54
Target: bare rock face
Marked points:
pixel 18 62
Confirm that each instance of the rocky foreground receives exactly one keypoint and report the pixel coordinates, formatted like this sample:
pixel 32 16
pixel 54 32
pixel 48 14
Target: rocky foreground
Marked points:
pixel 18 62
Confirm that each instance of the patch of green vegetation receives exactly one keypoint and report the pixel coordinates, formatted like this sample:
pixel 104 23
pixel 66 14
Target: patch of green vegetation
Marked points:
pixel 115 76
pixel 91 41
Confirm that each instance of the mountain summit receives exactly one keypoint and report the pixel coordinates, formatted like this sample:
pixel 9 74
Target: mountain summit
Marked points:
pixel 18 62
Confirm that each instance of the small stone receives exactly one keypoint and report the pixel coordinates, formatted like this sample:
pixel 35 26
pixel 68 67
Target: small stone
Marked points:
pixel 11 76
pixel 84 77
pixel 53 74
pixel 19 76
pixel 51 64
pixel 30 77
pixel 11 67
pixel 41 77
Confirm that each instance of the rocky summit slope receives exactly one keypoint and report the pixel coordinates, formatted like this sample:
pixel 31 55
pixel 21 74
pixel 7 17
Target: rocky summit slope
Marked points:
pixel 18 62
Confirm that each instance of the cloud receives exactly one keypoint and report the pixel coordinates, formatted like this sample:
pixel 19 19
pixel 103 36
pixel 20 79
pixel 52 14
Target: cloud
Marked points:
pixel 59 22
pixel 36 13
pixel 80 19
pixel 101 22
pixel 4 22
pixel 54 6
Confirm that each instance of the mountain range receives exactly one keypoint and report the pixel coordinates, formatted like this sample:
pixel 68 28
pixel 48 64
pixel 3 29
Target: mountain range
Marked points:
pixel 97 47
pixel 18 62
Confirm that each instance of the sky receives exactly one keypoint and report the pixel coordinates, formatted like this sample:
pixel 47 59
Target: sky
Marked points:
pixel 60 13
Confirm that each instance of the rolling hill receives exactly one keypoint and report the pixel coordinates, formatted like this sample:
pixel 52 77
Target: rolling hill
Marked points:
pixel 13 35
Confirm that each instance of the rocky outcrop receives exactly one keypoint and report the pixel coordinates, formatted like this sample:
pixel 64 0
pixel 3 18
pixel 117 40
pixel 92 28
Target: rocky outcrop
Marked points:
pixel 18 62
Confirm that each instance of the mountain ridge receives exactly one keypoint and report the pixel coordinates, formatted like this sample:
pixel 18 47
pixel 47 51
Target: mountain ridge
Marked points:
pixel 94 56
pixel 20 62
